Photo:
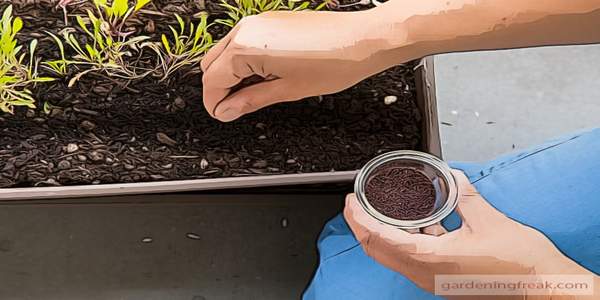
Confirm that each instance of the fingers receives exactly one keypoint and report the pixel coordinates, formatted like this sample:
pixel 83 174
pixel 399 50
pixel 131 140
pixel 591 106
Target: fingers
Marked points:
pixel 253 98
pixel 218 80
pixel 217 49
pixel 473 209
pixel 374 235
pixel 435 230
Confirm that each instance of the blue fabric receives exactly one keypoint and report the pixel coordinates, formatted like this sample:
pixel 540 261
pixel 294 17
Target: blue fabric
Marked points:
pixel 554 188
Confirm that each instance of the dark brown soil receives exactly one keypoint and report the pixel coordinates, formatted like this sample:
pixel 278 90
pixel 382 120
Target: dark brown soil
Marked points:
pixel 101 131
pixel 401 193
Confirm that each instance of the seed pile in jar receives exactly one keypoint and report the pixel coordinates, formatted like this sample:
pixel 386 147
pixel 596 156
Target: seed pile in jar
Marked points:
pixel 400 192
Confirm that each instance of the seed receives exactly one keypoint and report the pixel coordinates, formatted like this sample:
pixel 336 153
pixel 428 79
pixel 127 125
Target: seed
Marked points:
pixel 72 148
pixel 150 28
pixel 192 236
pixel 211 172
pixel 96 156
pixel 81 157
pixel 87 125
pixel 147 240
pixel 128 167
pixel 165 139
pixel 203 164
pixel 284 223
pixel 179 103
pixel 388 100
pixel 262 137
pixel 290 161
pixel 64 164
pixel 260 164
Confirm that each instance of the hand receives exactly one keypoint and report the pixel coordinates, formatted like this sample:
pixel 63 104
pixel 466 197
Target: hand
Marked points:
pixel 488 242
pixel 296 55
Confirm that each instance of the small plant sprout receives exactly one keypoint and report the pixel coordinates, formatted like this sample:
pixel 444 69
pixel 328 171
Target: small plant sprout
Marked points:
pixel 105 47
pixel 186 47
pixel 15 76
pixel 116 14
pixel 58 66
pixel 244 8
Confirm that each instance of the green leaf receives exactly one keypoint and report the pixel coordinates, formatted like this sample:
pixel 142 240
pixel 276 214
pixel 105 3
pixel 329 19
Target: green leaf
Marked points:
pixel 47 107
pixel 140 4
pixel 82 25
pixel 32 62
pixel 181 24
pixel 100 3
pixel 7 15
pixel 17 25
pixel 43 79
pixel 119 8
pixel 165 42
pixel 91 51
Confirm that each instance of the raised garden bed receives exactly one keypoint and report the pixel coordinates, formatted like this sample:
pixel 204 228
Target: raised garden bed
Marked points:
pixel 105 135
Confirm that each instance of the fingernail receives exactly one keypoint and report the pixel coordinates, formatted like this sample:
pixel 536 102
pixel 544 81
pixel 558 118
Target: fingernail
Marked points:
pixel 226 114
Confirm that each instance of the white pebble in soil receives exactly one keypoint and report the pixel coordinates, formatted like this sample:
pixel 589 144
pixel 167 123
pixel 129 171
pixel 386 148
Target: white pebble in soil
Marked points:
pixel 72 148
pixel 389 100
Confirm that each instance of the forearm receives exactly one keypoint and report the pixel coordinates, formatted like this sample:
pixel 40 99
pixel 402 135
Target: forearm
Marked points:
pixel 439 26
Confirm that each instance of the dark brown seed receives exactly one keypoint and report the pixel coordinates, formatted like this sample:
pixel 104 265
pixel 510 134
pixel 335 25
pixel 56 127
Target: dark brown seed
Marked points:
pixel 64 164
pixel 260 164
pixel 96 156
pixel 165 139
pixel 87 125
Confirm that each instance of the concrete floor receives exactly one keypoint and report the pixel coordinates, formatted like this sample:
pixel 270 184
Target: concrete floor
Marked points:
pixel 493 102
pixel 235 246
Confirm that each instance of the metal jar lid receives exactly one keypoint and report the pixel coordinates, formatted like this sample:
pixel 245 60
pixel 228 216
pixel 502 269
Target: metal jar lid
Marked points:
pixel 438 172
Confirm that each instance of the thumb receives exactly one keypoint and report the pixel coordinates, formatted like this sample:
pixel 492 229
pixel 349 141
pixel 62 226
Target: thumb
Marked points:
pixel 253 98
pixel 472 208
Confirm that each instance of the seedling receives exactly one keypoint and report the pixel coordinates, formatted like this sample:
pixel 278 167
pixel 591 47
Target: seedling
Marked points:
pixel 106 46
pixel 186 47
pixel 244 8
pixel 16 77
pixel 116 14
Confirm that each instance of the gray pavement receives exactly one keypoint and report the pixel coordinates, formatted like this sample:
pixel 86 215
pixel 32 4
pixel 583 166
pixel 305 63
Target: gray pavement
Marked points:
pixel 490 102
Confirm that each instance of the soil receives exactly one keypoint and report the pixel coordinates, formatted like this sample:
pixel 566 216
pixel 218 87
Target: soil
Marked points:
pixel 399 192
pixel 103 131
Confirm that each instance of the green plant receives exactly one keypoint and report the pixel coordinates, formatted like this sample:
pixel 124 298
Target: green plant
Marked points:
pixel 16 77
pixel 185 48
pixel 116 14
pixel 106 46
pixel 244 8
pixel 59 66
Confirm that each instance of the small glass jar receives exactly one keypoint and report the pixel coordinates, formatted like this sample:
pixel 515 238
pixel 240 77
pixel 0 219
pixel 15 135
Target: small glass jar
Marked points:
pixel 446 190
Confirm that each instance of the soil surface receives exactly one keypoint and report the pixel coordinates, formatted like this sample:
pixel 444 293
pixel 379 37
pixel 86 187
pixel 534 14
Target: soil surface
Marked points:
pixel 102 131
pixel 401 193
